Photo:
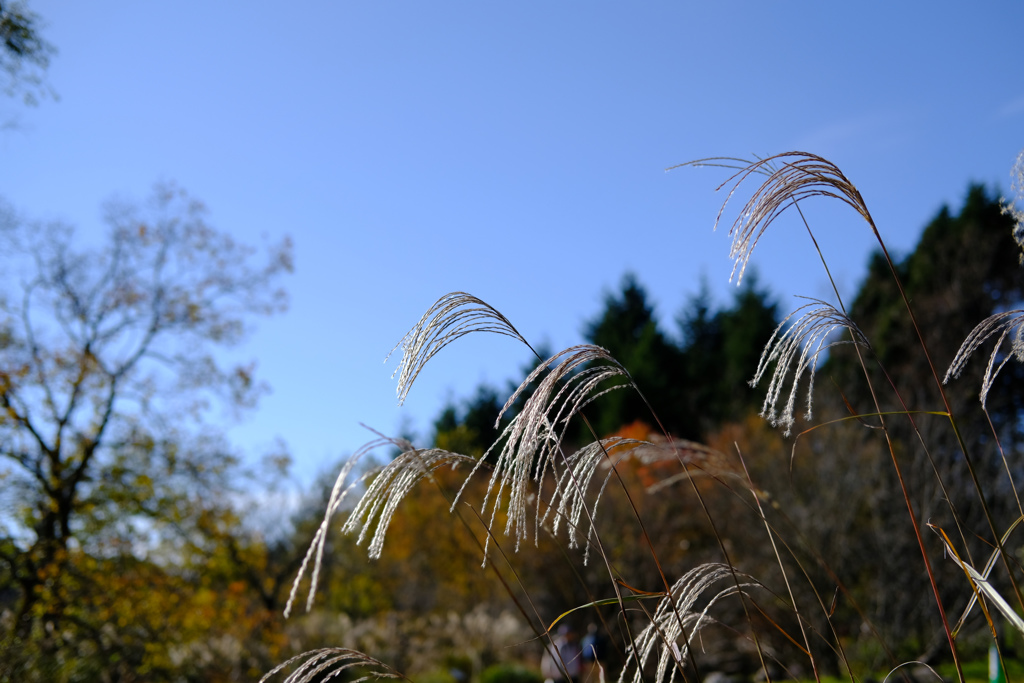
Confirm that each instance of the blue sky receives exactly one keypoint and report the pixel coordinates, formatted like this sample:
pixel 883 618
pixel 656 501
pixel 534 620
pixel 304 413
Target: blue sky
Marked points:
pixel 512 150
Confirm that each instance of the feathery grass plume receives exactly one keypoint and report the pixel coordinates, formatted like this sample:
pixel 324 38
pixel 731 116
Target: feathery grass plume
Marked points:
pixel 675 620
pixel 533 437
pixel 332 662
pixel 802 343
pixel 572 484
pixel 1005 324
pixel 698 460
pixel 316 548
pixel 390 486
pixel 790 177
pixel 1009 208
pixel 536 432
pixel 452 316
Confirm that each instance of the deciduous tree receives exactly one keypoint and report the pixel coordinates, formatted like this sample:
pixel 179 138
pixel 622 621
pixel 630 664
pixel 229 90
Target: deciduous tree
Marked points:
pixel 110 358
pixel 24 54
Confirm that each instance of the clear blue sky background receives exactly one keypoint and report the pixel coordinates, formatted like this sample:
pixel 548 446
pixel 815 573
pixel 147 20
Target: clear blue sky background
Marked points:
pixel 515 150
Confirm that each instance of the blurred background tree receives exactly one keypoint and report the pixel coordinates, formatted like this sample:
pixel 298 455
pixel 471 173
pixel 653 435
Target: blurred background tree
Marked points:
pixel 25 55
pixel 112 480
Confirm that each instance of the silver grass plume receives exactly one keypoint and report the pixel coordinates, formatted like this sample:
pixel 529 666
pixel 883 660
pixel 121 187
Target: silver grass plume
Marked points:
pixel 568 500
pixel 676 619
pixel 332 662
pixel 533 437
pixel 1006 324
pixel 798 346
pixel 698 460
pixel 381 498
pixel 789 178
pixel 452 316
pixel 316 547
pixel 572 484
pixel 1017 187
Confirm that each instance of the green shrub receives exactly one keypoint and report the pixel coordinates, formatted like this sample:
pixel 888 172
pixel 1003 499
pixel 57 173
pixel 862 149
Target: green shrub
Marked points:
pixel 509 673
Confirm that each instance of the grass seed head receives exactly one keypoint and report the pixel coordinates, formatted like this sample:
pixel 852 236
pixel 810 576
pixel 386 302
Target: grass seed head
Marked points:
pixel 797 346
pixel 1007 325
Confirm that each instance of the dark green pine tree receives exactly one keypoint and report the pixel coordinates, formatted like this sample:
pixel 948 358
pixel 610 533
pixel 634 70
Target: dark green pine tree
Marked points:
pixel 700 327
pixel 721 350
pixel 628 329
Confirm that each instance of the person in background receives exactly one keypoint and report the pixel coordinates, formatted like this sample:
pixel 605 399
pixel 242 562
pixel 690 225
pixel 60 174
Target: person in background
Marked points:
pixel 593 651
pixel 562 659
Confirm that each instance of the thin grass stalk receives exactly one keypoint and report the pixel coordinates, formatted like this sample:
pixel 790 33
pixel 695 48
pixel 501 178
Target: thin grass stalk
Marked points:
pixel 504 583
pixel 1006 464
pixel 714 529
pixel 782 568
pixel 892 385
pixel 646 537
pixel 924 447
pixel 594 601
pixel 730 565
pixel 711 522
pixel 573 399
pixel 988 513
pixel 604 555
pixel 497 545
pixel 578 410
pixel 824 565
pixel 619 598
pixel 606 446
pixel 840 586
pixel 821 562
pixel 903 487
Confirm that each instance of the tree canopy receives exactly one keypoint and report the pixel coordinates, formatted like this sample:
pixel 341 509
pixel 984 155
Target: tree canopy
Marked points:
pixel 24 54
pixel 108 363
